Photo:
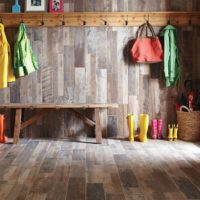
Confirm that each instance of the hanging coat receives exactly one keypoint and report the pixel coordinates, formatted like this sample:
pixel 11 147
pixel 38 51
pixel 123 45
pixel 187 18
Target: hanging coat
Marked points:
pixel 24 59
pixel 6 71
pixel 171 59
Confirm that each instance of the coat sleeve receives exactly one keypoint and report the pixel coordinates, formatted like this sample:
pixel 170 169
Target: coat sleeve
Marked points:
pixel 11 76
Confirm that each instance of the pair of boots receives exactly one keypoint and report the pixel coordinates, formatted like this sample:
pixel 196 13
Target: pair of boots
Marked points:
pixel 156 128
pixel 3 138
pixel 144 124
pixel 172 132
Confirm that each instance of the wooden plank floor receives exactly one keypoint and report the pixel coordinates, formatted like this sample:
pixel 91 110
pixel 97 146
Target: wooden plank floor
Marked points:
pixel 115 170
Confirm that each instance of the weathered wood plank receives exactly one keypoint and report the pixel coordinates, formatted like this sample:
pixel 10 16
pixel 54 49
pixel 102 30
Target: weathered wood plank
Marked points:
pixel 118 169
pixel 79 92
pixel 112 126
pixel 34 118
pixel 127 177
pixel 57 106
pixel 193 175
pixel 98 131
pixel 114 196
pixel 76 189
pixel 95 191
pixel 17 127
pixel 84 118
pixel 79 50
pixel 188 188
pixel 101 85
pixel 60 50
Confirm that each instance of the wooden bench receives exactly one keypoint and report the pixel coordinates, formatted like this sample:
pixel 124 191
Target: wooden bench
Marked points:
pixel 45 108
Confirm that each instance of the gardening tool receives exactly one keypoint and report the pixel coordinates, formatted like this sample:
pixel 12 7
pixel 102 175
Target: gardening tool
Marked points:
pixel 130 120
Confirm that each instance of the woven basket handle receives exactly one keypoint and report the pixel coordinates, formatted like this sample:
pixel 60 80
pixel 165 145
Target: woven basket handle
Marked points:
pixel 185 107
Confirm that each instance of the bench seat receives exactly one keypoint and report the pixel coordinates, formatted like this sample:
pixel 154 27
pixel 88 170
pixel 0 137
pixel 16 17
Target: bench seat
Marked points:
pixel 46 108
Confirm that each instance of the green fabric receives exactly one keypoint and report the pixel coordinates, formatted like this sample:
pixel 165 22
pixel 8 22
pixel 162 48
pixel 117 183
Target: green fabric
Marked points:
pixel 24 59
pixel 171 58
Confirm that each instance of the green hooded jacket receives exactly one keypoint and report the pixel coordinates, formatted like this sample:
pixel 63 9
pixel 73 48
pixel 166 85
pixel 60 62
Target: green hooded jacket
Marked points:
pixel 171 58
pixel 24 60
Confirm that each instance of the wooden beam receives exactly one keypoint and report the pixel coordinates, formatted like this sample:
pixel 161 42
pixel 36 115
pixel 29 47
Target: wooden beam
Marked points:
pixel 34 118
pixel 18 116
pixel 75 19
pixel 98 131
pixel 56 106
pixel 83 118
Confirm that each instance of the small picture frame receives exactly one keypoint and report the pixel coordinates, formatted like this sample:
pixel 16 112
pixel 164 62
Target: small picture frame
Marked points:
pixel 35 5
pixel 55 5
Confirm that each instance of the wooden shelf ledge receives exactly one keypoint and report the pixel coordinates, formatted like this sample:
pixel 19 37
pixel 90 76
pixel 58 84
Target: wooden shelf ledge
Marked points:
pixel 55 106
pixel 118 19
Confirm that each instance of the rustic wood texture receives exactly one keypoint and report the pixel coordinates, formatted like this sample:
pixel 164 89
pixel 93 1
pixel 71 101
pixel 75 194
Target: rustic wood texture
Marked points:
pixel 34 118
pixel 57 106
pixel 21 125
pixel 85 119
pixel 92 65
pixel 117 170
pixel 99 19
pixel 98 129
pixel 17 128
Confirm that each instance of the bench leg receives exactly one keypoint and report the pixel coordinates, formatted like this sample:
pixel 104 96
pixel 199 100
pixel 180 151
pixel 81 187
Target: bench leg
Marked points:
pixel 17 127
pixel 98 132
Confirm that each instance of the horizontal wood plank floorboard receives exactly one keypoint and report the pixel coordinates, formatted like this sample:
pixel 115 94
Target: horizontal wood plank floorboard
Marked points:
pixel 69 169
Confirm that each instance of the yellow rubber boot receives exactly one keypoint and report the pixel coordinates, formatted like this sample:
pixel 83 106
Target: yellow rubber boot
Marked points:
pixel 175 133
pixel 130 121
pixel 144 125
pixel 170 133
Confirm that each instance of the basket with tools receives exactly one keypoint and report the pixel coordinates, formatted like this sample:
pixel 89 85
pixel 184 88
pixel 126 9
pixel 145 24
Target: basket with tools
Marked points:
pixel 189 124
pixel 188 113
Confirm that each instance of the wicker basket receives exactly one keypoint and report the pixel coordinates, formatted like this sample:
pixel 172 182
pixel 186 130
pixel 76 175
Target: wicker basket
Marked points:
pixel 189 125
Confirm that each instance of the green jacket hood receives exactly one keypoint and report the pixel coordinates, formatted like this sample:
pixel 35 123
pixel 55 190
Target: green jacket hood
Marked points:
pixel 169 27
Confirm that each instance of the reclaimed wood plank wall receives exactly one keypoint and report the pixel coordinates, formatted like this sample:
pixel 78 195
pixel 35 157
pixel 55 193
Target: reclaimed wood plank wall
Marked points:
pixel 91 65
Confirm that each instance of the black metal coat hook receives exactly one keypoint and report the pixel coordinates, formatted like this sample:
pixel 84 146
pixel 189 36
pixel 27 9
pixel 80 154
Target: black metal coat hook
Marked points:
pixel 126 21
pixel 190 21
pixel 146 19
pixel 63 22
pixel 22 21
pixel 84 22
pixel 104 19
pixel 169 21
pixel 42 22
pixel 1 20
